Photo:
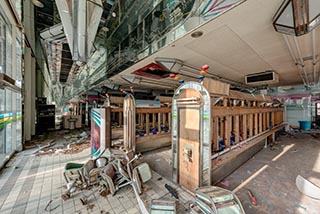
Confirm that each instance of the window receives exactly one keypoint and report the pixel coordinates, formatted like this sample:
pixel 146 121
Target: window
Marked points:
pixel 2 45
pixel 2 98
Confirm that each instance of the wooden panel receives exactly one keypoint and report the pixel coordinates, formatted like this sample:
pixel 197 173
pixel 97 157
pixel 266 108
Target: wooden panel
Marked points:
pixel 120 118
pixel 251 131
pixel 152 142
pixel 225 111
pixel 116 100
pixel 268 120
pixel 260 122
pixel 146 110
pixel 164 99
pixel 256 129
pixel 215 133
pixel 153 120
pixel 228 125
pixel 147 124
pixel 244 127
pixel 108 127
pixel 189 125
pixel 159 122
pixel 216 87
pixel 236 128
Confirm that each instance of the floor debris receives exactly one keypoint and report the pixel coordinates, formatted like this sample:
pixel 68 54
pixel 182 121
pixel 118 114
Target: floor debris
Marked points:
pixel 225 183
pixel 252 198
pixel 48 205
pixel 172 191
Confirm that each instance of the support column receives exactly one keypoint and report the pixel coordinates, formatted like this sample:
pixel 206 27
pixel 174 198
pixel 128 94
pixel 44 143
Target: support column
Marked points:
pixel 236 128
pixel 159 123
pixel 256 124
pixel 228 124
pixel 27 94
pixel 120 118
pixel 147 124
pixel 244 127
pixel 215 134
pixel 260 122
pixel 251 128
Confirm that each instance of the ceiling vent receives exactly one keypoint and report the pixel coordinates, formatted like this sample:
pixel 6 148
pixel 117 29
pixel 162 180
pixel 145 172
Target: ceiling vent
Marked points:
pixel 264 78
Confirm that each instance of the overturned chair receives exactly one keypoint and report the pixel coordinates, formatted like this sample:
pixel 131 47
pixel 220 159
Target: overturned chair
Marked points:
pixel 81 176
pixel 117 175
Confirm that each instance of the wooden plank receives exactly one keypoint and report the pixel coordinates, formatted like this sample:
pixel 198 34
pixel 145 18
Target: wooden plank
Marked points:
pixel 154 110
pixel 215 134
pixel 189 148
pixel 251 128
pixel 139 119
pixel 116 100
pixel 260 122
pixel 265 121
pixel 152 142
pixel 118 109
pixel 228 111
pixel 108 127
pixel 146 110
pixel 244 127
pixel 159 122
pixel 147 124
pixel 164 99
pixel 143 119
pixel 120 118
pixel 228 125
pixel 216 87
pixel 256 128
pixel 236 125
pixel 153 120
pixel 268 120
pixel 164 118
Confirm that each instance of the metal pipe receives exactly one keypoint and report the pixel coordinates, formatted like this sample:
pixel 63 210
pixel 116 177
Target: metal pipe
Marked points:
pixel 293 57
pixel 314 63
pixel 301 60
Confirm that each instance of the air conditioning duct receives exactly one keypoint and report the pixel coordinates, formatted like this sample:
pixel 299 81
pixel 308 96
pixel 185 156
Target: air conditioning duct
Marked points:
pixel 263 78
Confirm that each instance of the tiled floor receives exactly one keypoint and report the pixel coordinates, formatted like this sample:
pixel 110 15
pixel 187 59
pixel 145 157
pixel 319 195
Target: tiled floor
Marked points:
pixel 29 183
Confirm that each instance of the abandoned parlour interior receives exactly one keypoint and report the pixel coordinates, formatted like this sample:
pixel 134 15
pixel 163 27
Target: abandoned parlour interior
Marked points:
pixel 160 106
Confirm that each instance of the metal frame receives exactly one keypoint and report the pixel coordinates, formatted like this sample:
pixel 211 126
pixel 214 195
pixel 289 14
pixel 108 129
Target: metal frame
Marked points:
pixel 129 137
pixel 298 29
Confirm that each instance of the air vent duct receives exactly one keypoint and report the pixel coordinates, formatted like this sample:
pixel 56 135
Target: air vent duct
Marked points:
pixel 264 78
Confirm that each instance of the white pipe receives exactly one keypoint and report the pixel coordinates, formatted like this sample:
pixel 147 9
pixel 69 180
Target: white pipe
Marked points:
pixel 294 58
pixel 314 63
pixel 301 60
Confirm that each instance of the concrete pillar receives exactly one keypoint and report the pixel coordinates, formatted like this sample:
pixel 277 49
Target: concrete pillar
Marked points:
pixel 27 93
pixel 33 96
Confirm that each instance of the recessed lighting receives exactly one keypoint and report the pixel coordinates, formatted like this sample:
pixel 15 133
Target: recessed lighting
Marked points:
pixel 197 34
